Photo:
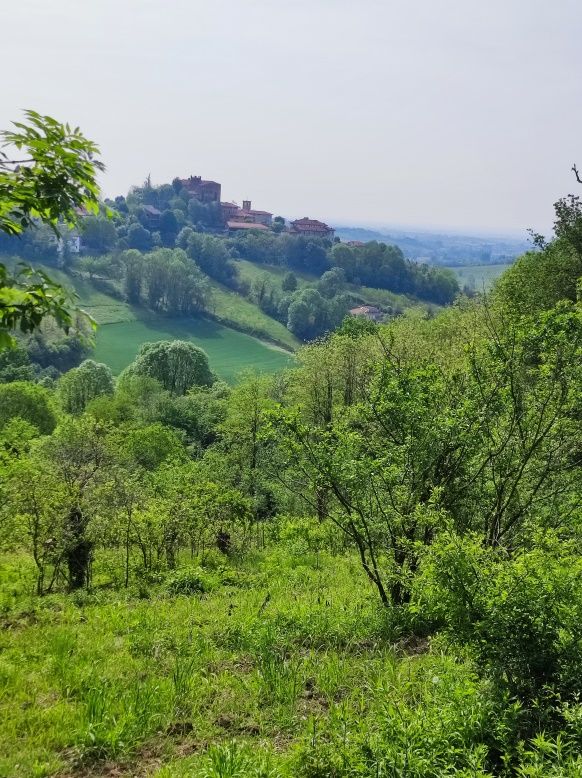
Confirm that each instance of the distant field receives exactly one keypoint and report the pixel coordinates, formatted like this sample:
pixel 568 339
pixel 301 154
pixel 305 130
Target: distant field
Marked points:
pixel 232 308
pixel 229 351
pixel 123 328
pixel 479 277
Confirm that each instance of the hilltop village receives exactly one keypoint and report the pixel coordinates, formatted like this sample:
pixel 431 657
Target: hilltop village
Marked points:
pixel 237 218
pixel 165 246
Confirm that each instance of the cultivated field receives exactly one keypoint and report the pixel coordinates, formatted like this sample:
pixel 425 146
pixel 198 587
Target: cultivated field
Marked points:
pixel 479 277
pixel 229 351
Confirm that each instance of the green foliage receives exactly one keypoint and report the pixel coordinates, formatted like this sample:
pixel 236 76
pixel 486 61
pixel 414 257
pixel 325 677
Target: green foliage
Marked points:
pixel 26 298
pixel 538 280
pixel 98 233
pixel 151 445
pixel 15 365
pixel 177 365
pixel 29 402
pixel 55 175
pixel 520 616
pixel 289 282
pixel 191 580
pixel 82 384
pixel 365 566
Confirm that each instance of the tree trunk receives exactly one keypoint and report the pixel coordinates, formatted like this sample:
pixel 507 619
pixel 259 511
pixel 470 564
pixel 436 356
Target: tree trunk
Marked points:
pixel 79 551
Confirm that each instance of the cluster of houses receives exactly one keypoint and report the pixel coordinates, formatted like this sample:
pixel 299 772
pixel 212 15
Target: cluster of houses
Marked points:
pixel 243 218
pixel 237 219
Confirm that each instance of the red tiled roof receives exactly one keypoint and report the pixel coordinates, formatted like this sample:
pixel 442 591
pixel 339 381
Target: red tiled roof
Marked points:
pixel 306 220
pixel 364 309
pixel 261 213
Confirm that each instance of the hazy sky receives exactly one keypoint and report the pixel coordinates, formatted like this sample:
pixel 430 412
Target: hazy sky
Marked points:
pixel 449 113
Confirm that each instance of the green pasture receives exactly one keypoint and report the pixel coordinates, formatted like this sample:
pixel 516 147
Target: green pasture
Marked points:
pixel 231 308
pixel 229 351
pixel 123 328
pixel 479 277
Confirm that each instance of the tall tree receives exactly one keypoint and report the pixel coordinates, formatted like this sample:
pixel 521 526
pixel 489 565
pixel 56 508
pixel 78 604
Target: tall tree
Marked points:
pixel 176 364
pixel 84 383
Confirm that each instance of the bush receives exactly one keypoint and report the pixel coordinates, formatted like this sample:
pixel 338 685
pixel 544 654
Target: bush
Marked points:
pixel 29 402
pixel 520 617
pixel 435 721
pixel 190 580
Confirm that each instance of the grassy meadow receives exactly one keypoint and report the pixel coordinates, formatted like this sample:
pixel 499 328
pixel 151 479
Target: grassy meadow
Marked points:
pixel 284 665
pixel 123 328
pixel 233 309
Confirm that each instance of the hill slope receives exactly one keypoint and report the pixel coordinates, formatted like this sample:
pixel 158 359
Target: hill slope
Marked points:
pixel 123 328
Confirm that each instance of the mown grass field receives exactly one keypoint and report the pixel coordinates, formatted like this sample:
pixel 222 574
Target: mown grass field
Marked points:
pixel 123 329
pixel 285 667
pixel 230 352
pixel 479 277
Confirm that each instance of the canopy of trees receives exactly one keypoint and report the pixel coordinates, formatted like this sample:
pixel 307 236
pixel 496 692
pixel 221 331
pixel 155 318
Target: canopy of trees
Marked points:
pixel 177 365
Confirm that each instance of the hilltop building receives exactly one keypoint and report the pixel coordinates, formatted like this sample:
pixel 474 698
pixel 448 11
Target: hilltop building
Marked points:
pixel 153 216
pixel 231 212
pixel 311 228
pixel 205 191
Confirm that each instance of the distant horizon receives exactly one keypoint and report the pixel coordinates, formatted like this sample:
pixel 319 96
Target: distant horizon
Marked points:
pixel 477 232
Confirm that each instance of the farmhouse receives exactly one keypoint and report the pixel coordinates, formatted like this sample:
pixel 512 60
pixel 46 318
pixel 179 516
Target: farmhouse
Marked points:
pixel 367 312
pixel 152 215
pixel 311 228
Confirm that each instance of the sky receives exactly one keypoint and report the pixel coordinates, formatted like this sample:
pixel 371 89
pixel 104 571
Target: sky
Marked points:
pixel 456 114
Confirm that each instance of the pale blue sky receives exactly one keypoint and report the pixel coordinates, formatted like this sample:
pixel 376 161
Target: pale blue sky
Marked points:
pixel 448 113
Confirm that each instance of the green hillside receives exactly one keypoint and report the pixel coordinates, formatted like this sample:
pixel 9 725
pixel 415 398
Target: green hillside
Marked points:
pixel 123 328
pixel 236 311
pixel 229 351
pixel 250 271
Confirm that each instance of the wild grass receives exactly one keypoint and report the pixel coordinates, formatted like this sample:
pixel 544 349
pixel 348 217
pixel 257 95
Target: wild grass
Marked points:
pixel 250 271
pixel 233 310
pixel 285 667
pixel 98 678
